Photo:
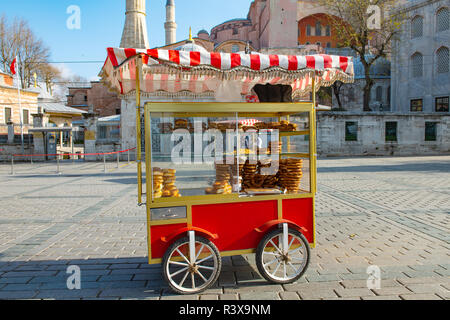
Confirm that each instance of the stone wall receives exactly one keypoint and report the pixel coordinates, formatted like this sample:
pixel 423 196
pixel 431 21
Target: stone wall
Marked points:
pixel 371 135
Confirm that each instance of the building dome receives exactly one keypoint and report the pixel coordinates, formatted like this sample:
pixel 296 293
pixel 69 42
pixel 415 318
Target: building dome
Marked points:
pixel 191 46
pixel 203 31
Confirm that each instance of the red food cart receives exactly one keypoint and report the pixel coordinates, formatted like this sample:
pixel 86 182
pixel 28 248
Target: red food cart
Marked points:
pixel 225 178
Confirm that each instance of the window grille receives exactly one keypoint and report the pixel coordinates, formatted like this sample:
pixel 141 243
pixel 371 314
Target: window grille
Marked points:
pixel 442 20
pixel 417 65
pixel 417 27
pixel 442 60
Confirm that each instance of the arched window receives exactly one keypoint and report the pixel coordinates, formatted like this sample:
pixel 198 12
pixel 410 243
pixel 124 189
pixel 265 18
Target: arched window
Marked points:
pixel 442 20
pixel 318 28
pixel 308 30
pixel 328 31
pixel 417 27
pixel 442 60
pixel 417 65
pixel 379 94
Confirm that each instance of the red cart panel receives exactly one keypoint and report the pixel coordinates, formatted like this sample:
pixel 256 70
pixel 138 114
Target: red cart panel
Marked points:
pixel 235 223
pixel 158 246
pixel 300 211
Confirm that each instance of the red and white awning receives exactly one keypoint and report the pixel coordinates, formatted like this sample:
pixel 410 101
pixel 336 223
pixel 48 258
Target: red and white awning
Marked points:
pixel 175 71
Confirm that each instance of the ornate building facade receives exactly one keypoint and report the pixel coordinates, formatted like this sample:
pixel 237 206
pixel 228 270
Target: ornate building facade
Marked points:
pixel 420 63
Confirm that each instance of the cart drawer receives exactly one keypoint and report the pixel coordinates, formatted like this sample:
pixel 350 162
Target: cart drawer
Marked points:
pixel 168 213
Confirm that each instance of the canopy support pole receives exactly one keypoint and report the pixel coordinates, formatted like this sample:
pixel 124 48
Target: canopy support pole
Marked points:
pixel 313 142
pixel 138 127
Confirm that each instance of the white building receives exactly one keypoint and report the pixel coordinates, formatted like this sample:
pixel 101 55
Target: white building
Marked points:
pixel 420 62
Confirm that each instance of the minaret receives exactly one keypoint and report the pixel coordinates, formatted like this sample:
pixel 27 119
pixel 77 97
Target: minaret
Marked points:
pixel 135 30
pixel 170 25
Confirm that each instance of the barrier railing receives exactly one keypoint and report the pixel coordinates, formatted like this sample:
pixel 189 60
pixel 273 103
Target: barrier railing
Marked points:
pixel 58 155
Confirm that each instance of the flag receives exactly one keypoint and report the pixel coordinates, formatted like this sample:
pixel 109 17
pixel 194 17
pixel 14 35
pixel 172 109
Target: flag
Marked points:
pixel 13 66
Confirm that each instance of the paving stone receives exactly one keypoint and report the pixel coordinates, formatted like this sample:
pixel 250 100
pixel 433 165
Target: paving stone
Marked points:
pixel 425 288
pixel 259 296
pixel 425 280
pixel 209 297
pixel 59 294
pixel 322 278
pixel 180 297
pixel 354 276
pixel 420 274
pixel 130 293
pixel 17 295
pixel 227 279
pixel 350 284
pixel 15 279
pixel 356 292
pixel 255 287
pixel 396 291
pixel 317 294
pixel 289 296
pixel 382 298
pixel 21 287
pixel 229 296
pixel 120 277
pixel 21 274
pixel 423 296
pixel 311 286
pixel 124 266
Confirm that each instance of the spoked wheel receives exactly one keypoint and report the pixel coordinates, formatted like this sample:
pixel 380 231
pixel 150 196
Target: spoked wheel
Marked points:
pixel 191 269
pixel 282 255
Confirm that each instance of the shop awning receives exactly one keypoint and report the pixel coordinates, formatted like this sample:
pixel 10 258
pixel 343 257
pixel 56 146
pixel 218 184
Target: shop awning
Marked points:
pixel 173 71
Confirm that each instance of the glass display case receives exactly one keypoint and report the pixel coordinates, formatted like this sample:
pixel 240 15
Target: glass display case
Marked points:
pixel 229 154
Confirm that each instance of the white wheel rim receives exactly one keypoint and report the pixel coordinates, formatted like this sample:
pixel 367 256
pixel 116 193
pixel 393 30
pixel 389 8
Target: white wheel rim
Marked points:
pixel 282 264
pixel 194 276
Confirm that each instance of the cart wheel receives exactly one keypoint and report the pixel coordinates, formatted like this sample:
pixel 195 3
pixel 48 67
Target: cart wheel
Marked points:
pixel 280 265
pixel 191 276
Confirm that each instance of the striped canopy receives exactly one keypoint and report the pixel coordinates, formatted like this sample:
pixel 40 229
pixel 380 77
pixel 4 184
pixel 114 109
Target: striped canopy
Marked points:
pixel 173 72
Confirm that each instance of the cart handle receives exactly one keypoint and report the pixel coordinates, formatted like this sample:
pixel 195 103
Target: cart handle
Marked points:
pixel 270 224
pixel 185 230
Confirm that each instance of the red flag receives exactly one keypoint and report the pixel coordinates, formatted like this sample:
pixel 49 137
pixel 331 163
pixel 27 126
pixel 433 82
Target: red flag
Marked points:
pixel 13 66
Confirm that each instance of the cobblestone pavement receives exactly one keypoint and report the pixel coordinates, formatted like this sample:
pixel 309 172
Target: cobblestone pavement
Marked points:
pixel 389 212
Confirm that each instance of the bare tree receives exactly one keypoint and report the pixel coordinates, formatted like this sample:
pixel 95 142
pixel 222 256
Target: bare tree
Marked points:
pixel 337 87
pixel 18 40
pixel 367 27
pixel 48 74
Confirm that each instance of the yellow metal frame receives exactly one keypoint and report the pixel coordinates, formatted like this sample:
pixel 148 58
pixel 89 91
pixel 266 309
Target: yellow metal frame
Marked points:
pixel 217 110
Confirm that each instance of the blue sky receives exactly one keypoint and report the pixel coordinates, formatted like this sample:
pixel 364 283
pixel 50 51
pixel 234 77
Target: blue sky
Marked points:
pixel 102 24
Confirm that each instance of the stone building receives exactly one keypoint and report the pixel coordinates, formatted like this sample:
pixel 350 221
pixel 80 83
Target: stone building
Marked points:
pixel 278 24
pixel 301 27
pixel 420 60
pixel 99 98
pixel 11 114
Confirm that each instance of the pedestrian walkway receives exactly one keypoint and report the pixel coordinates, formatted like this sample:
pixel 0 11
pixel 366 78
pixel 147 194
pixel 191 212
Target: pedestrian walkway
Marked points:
pixel 392 213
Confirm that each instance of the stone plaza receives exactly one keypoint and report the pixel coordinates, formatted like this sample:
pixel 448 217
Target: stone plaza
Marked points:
pixel 392 213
